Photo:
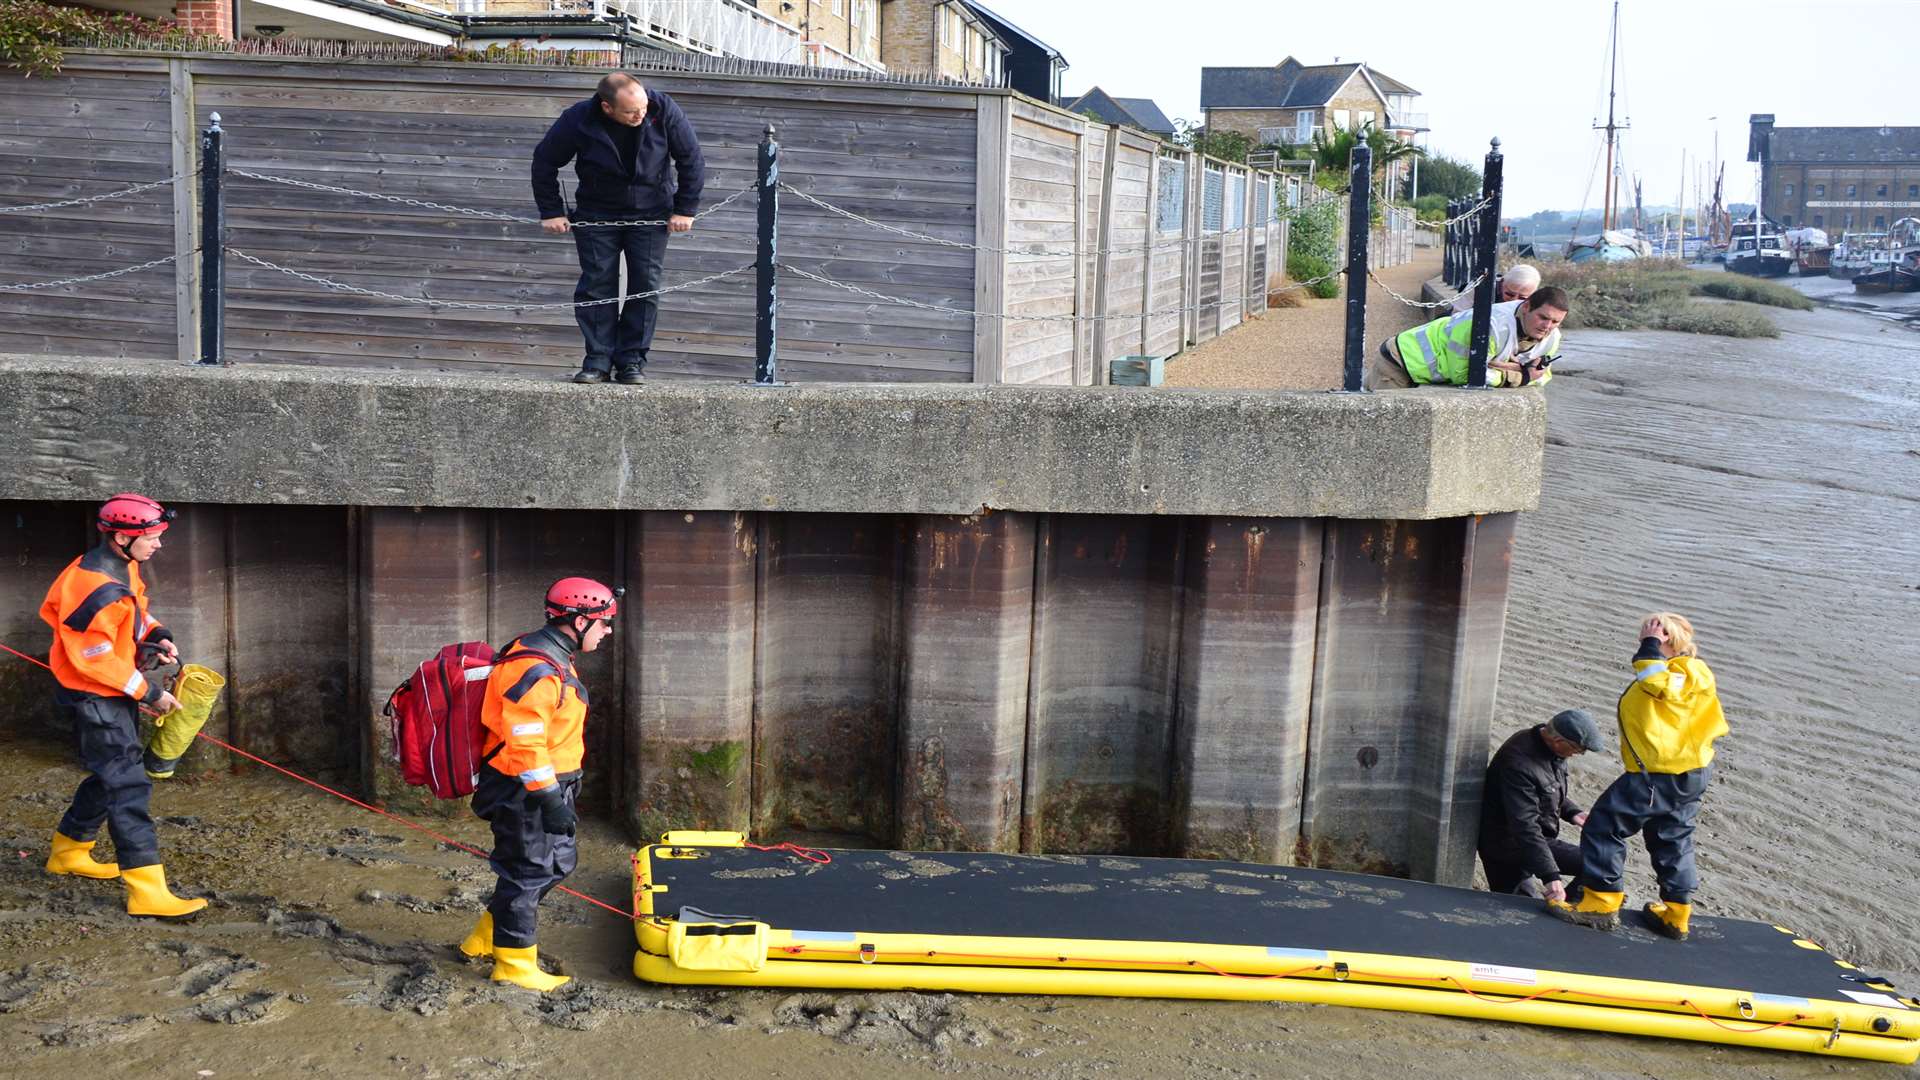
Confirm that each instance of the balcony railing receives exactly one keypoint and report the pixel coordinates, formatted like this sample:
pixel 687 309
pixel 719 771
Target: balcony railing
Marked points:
pixel 713 27
pixel 1407 121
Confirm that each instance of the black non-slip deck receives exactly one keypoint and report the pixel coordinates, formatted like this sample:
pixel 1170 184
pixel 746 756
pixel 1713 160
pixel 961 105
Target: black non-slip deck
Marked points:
pixel 1182 900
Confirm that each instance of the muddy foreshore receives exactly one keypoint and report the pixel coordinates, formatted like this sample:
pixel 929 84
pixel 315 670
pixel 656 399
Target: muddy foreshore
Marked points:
pixel 1769 489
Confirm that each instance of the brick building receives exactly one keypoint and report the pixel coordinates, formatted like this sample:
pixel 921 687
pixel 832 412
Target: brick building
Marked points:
pixel 1288 102
pixel 1841 179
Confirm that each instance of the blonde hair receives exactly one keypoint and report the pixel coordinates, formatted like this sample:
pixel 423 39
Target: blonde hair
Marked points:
pixel 1679 633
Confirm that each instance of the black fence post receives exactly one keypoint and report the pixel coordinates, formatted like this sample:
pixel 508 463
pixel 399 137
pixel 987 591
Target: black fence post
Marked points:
pixel 1453 243
pixel 213 240
pixel 1486 252
pixel 765 341
pixel 1359 218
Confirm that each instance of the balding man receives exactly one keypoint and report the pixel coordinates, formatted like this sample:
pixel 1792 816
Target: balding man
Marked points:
pixel 1518 283
pixel 621 141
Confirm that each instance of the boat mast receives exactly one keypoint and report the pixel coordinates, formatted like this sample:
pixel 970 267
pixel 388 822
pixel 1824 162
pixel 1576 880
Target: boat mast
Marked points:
pixel 1611 195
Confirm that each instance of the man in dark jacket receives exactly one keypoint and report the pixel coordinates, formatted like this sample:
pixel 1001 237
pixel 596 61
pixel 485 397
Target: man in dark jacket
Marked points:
pixel 1525 802
pixel 620 141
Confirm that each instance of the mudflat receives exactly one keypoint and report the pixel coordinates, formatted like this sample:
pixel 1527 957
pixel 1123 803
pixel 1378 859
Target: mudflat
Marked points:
pixel 1769 489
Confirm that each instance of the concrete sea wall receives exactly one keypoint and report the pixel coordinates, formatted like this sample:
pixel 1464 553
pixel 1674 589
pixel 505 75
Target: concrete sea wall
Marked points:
pixel 1246 625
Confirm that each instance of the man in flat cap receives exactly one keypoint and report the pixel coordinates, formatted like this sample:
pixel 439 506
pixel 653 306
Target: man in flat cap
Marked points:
pixel 1525 802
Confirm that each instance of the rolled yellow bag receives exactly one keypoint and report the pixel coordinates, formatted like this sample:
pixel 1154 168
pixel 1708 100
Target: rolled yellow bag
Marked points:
pixel 196 688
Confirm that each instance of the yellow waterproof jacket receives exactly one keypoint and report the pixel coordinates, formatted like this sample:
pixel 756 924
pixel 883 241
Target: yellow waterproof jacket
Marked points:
pixel 1670 714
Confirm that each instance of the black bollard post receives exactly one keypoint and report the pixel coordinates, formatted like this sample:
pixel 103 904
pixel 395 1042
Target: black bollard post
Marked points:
pixel 765 341
pixel 1485 254
pixel 213 239
pixel 1359 214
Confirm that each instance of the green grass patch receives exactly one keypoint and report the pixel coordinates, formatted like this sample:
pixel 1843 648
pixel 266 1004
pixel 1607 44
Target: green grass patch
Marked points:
pixel 1304 267
pixel 1663 294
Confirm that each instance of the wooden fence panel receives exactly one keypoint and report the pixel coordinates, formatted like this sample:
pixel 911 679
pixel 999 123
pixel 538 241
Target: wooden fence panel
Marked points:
pixel 70 136
pixel 960 165
pixel 1044 210
pixel 1130 234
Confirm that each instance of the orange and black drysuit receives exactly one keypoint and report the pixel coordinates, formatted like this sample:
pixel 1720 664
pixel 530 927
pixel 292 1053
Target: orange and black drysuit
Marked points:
pixel 535 716
pixel 97 608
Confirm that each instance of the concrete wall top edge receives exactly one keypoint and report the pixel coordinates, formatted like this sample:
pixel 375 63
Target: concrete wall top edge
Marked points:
pixel 84 427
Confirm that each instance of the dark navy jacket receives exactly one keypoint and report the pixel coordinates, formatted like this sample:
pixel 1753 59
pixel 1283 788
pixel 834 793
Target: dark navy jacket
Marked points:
pixel 581 136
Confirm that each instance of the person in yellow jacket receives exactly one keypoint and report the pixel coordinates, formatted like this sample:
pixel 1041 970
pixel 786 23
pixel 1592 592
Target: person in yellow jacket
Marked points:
pixel 1670 716
pixel 535 715
pixel 1523 341
pixel 102 633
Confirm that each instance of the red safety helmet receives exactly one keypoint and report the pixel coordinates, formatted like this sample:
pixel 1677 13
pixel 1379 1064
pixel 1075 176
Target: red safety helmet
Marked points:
pixel 131 513
pixel 583 596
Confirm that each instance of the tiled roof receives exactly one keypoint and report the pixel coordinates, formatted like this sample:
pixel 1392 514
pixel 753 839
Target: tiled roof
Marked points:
pixel 1148 113
pixel 1139 113
pixel 1869 145
pixel 1286 86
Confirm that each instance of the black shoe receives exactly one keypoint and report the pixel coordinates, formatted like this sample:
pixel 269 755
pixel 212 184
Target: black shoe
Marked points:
pixel 589 375
pixel 629 376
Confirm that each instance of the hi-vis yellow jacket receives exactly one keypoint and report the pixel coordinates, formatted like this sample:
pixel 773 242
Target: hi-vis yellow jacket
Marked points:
pixel 1670 714
pixel 535 712
pixel 1437 352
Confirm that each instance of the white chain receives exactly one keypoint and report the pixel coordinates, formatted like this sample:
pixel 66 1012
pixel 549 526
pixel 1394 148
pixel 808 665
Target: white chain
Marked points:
pixel 1421 303
pixel 1462 216
pixel 32 285
pixel 122 193
pixel 466 305
pixel 421 203
pixel 963 245
pixel 493 215
pixel 903 302
pixel 714 209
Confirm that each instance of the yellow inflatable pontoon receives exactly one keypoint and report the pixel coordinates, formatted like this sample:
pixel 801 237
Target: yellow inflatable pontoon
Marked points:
pixel 717 911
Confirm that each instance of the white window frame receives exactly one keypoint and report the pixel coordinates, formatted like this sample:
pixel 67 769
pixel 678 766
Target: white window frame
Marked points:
pixel 1303 126
pixel 1363 118
pixel 1342 119
pixel 839 7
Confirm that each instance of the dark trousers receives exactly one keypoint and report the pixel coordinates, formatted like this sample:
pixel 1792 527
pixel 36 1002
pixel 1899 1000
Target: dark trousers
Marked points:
pixel 1662 808
pixel 1505 877
pixel 529 860
pixel 617 334
pixel 106 730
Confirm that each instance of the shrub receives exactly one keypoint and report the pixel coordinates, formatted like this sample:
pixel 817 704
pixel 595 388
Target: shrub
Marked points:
pixel 1726 320
pixel 1752 290
pixel 32 33
pixel 1304 267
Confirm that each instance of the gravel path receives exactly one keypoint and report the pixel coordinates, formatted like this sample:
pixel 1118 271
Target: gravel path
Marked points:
pixel 1299 348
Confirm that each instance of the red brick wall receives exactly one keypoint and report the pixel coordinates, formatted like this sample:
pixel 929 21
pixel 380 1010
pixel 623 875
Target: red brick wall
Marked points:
pixel 211 18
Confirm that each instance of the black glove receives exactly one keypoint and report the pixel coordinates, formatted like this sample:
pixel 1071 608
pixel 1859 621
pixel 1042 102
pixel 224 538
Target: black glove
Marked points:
pixel 555 815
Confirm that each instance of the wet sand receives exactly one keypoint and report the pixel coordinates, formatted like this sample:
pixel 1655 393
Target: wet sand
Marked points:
pixel 1769 489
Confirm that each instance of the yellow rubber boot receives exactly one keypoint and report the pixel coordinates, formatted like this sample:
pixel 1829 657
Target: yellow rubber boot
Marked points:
pixel 521 967
pixel 480 942
pixel 70 856
pixel 1669 920
pixel 1600 910
pixel 147 894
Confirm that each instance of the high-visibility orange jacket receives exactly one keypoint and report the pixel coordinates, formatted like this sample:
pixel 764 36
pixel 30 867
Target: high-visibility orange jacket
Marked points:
pixel 98 610
pixel 535 711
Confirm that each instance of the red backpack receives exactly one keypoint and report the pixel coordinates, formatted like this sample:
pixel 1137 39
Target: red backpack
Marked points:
pixel 436 719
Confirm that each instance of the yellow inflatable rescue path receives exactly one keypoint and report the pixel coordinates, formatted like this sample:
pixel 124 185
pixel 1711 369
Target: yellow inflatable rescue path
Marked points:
pixel 717 911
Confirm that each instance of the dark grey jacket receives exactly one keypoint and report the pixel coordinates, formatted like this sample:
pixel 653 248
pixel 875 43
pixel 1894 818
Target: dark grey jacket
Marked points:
pixel 606 186
pixel 1525 802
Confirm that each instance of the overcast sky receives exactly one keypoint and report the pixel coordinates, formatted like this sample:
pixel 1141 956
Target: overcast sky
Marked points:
pixel 1536 77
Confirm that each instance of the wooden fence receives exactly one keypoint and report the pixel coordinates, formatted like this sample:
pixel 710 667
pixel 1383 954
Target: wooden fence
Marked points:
pixel 985 170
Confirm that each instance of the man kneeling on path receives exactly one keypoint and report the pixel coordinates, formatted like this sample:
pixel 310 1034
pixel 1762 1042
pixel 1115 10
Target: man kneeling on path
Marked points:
pixel 535 717
pixel 1525 802
pixel 1523 343
pixel 101 634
